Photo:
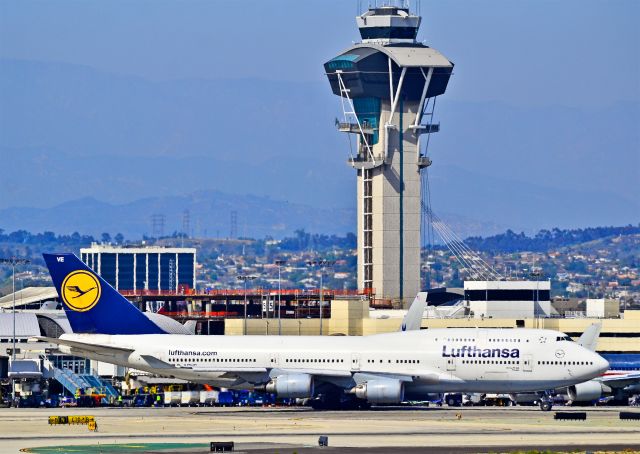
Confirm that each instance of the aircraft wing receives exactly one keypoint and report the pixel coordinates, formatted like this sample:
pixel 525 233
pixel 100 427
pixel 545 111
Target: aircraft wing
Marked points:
pixel 316 372
pixel 231 370
pixel 427 376
pixel 84 347
pixel 620 380
pixel 156 363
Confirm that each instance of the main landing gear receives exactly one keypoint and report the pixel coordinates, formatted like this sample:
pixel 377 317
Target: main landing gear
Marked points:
pixel 546 401
pixel 334 398
pixel 546 404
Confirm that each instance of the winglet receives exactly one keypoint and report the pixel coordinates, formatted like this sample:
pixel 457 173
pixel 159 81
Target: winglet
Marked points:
pixel 589 338
pixel 413 318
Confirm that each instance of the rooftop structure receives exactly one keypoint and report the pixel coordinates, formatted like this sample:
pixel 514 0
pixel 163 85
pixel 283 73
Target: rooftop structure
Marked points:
pixel 503 299
pixel 602 308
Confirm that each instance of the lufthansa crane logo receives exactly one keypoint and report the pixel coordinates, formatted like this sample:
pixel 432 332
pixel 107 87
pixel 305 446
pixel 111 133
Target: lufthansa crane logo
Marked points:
pixel 80 290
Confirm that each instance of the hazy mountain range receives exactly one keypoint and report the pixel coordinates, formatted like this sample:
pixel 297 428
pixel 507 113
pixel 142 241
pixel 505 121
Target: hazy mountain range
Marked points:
pixel 92 151
pixel 209 216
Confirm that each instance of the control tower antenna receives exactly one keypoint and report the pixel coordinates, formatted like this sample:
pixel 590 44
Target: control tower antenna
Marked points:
pixel 386 83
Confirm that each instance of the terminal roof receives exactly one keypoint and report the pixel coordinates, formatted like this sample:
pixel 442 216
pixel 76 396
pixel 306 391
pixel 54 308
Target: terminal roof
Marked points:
pixel 26 325
pixel 28 296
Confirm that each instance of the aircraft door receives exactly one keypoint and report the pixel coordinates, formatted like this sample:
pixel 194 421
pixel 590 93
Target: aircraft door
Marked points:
pixel 527 363
pixel 451 363
pixel 273 360
pixel 355 361
pixel 482 336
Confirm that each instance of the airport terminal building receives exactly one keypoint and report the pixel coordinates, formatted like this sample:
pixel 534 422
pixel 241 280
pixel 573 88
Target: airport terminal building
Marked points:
pixel 144 268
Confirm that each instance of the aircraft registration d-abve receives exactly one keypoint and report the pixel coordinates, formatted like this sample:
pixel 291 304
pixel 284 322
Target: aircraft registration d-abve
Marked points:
pixel 331 370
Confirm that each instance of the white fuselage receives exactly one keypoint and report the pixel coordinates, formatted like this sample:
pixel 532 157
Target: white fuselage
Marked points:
pixel 435 360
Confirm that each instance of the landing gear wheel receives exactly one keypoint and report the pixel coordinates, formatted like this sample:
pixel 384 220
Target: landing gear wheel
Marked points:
pixel 545 405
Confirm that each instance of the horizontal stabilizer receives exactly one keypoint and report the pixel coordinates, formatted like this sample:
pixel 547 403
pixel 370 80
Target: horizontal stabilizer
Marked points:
pixel 85 347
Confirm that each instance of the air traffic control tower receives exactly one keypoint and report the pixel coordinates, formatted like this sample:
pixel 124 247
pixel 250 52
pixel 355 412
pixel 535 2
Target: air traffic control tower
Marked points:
pixel 387 85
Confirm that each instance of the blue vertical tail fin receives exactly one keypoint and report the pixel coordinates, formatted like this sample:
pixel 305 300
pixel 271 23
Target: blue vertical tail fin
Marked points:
pixel 91 304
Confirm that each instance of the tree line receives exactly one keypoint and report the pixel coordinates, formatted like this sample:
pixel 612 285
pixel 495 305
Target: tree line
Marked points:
pixel 546 240
pixel 508 241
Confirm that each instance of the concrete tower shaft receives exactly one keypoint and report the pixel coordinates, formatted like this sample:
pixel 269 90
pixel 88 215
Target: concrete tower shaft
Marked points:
pixel 384 83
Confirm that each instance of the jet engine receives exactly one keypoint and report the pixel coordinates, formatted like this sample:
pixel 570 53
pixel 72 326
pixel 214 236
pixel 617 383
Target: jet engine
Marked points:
pixel 381 391
pixel 291 386
pixel 583 392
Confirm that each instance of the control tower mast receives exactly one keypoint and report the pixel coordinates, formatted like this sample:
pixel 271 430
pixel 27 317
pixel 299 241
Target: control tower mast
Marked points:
pixel 386 83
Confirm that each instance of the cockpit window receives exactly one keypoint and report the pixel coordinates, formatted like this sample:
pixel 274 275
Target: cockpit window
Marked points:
pixel 564 338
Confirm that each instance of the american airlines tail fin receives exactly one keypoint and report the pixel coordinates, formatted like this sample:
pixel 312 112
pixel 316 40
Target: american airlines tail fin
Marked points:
pixel 413 319
pixel 91 304
pixel 589 338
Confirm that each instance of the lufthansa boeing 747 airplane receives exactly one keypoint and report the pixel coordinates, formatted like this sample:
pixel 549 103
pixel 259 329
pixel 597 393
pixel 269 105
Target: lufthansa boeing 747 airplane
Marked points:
pixel 377 369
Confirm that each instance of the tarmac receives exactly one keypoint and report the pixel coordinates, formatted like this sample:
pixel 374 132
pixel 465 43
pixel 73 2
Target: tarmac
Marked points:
pixel 289 430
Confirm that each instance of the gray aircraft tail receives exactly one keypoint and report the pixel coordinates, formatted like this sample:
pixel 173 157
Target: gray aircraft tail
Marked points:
pixel 589 338
pixel 413 319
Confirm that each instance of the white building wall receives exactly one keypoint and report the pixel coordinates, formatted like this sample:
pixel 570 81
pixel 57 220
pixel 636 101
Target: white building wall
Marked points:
pixel 507 285
pixel 511 308
pixel 106 369
pixel 602 308
pixel 502 309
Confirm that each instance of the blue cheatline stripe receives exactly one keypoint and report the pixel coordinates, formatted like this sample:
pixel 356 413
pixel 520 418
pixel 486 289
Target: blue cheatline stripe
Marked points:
pixel 401 148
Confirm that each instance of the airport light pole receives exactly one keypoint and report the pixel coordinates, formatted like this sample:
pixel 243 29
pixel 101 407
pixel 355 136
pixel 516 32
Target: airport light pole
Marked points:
pixel 13 261
pixel 322 264
pixel 279 264
pixel 536 274
pixel 244 278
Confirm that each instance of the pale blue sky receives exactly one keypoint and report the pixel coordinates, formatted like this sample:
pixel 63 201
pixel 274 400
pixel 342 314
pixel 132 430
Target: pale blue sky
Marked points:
pixel 541 116
pixel 566 52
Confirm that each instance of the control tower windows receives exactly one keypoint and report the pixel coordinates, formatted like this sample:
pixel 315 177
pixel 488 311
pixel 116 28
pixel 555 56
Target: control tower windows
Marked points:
pixel 388 32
